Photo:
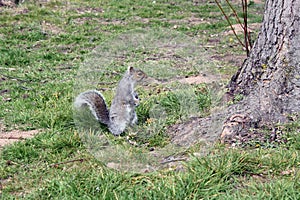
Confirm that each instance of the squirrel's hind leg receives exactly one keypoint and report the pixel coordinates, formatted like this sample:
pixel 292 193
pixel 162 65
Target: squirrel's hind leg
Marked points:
pixel 117 129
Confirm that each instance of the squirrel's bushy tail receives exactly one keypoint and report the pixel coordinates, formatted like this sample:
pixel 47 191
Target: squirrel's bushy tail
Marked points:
pixel 96 103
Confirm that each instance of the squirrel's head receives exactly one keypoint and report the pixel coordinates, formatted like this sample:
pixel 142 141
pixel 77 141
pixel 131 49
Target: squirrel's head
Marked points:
pixel 136 74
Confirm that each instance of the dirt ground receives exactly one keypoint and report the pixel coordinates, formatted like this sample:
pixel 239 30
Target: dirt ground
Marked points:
pixel 8 137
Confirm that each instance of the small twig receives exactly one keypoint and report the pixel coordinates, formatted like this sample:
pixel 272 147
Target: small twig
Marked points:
pixel 63 68
pixel 13 78
pixel 24 88
pixel 69 161
pixel 12 138
pixel 170 159
pixel 174 160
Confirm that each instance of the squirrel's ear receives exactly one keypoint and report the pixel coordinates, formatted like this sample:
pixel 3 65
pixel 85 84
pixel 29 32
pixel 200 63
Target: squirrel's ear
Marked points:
pixel 130 69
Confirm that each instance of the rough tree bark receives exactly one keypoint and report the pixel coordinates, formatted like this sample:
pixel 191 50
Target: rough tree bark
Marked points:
pixel 271 72
pixel 269 79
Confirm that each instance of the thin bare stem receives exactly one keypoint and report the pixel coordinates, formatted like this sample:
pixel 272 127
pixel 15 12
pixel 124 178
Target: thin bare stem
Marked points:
pixel 249 39
pixel 235 14
pixel 239 21
pixel 244 4
pixel 227 19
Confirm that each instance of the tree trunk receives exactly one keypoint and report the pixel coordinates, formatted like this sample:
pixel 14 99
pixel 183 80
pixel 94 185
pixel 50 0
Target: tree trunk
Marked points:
pixel 269 80
pixel 270 77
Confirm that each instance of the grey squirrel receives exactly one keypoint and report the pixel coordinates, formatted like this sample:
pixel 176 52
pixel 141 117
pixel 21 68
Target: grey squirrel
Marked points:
pixel 122 111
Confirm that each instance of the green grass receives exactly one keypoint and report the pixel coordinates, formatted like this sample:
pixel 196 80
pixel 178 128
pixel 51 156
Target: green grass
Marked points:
pixel 42 48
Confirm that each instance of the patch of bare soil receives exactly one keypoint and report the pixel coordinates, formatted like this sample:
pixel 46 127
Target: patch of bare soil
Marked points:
pixel 202 78
pixel 84 10
pixel 101 21
pixel 232 59
pixel 239 30
pixel 51 28
pixel 192 20
pixel 8 137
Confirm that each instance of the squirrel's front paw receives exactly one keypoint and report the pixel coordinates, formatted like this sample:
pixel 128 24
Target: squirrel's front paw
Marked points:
pixel 136 99
pixel 136 102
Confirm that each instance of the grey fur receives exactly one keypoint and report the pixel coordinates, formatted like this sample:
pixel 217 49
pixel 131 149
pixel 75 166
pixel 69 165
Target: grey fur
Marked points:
pixel 122 111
